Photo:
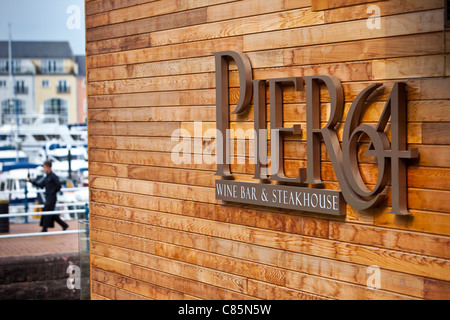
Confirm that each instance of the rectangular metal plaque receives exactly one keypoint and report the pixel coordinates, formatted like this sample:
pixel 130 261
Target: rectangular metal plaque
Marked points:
pixel 282 196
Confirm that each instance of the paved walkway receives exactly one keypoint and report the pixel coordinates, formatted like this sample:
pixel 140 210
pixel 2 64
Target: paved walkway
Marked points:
pixel 38 245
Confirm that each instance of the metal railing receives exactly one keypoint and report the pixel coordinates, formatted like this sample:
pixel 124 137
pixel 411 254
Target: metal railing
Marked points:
pixel 64 204
pixel 27 214
pixel 42 191
pixel 43 213
pixel 35 234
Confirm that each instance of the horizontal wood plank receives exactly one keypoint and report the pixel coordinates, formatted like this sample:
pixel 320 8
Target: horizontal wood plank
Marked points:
pixel 352 273
pixel 139 11
pixel 378 48
pixel 333 4
pixel 125 284
pixel 384 258
pixel 106 36
pixel 321 267
pixel 191 287
pixel 391 7
pixel 176 51
pixel 407 241
pixel 217 261
pixel 411 23
pixel 427 44
pixel 436 133
pixel 98 6
pixel 265 219
pixel 204 275
pixel 254 24
pixel 156 229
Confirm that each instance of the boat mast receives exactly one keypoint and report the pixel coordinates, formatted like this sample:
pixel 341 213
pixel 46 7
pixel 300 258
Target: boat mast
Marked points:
pixel 12 80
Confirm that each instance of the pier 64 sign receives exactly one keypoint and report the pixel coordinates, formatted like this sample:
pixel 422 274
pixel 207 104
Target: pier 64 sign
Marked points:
pixel 304 191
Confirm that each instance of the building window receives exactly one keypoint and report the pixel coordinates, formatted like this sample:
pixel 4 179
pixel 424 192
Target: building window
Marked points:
pixel 57 107
pixel 63 86
pixel 16 66
pixel 45 83
pixel 2 84
pixel 52 66
pixel 4 65
pixel 9 109
pixel 20 87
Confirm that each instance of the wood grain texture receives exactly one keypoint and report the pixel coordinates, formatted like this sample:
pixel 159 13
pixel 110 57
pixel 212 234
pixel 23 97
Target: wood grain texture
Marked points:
pixel 332 4
pixel 156 229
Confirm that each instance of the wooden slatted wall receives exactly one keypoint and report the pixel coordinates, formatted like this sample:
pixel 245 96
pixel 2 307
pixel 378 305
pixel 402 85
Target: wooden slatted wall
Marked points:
pixel 156 229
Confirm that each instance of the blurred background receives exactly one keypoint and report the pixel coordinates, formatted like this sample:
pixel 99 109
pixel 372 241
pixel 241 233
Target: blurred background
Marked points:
pixel 43 117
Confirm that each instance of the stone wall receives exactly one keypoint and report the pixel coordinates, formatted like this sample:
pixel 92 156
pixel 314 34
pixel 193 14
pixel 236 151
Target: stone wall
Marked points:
pixel 37 277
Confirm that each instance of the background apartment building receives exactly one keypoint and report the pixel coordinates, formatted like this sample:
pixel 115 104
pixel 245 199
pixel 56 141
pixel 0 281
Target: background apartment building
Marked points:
pixel 44 80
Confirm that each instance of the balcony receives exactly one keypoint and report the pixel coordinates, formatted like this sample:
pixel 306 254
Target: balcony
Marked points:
pixel 20 90
pixel 62 89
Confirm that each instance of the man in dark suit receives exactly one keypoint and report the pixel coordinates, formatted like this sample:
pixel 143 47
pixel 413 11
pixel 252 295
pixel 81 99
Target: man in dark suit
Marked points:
pixel 52 186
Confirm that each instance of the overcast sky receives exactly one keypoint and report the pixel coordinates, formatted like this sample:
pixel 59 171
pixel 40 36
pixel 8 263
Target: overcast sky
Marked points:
pixel 44 20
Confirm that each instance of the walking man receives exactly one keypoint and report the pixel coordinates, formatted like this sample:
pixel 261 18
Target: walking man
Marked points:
pixel 52 186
